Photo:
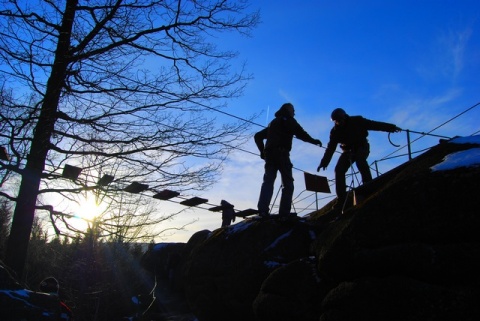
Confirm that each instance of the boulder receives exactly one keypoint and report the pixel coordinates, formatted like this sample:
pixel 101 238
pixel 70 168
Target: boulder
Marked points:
pixel 224 275
pixel 408 250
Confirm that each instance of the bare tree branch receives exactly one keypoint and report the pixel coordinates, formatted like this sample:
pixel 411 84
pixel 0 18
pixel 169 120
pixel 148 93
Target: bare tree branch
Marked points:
pixel 114 85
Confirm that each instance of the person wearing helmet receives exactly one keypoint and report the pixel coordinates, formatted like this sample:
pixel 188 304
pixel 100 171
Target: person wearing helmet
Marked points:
pixel 276 153
pixel 51 286
pixel 351 133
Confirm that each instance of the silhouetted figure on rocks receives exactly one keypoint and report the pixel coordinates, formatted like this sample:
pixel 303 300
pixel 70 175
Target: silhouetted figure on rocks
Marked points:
pixel 51 286
pixel 276 153
pixel 228 213
pixel 351 133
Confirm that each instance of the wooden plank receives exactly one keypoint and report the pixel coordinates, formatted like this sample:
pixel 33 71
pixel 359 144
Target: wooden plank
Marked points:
pixel 315 183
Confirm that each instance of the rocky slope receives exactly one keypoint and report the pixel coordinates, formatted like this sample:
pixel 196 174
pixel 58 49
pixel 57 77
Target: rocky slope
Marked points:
pixel 409 251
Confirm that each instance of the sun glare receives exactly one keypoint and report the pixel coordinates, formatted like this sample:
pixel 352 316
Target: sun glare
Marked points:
pixel 88 209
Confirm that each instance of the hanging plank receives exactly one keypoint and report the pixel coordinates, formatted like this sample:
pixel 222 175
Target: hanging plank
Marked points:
pixel 246 212
pixel 71 172
pixel 194 201
pixel 166 195
pixel 135 188
pixel 315 183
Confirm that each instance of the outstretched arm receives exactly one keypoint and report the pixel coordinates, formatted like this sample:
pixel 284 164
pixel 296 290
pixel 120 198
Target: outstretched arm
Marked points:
pixel 381 126
pixel 301 134
pixel 331 147
pixel 327 157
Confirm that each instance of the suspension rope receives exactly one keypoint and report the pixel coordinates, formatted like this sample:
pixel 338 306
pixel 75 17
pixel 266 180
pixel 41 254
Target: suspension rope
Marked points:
pixel 429 133
pixel 423 134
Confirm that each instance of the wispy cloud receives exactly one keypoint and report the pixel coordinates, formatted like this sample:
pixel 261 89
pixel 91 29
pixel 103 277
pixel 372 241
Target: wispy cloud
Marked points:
pixel 423 113
pixel 446 56
pixel 457 42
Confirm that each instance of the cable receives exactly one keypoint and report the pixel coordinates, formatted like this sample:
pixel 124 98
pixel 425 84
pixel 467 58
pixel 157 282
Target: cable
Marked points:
pixel 429 132
pixel 252 153
pixel 295 201
pixel 230 115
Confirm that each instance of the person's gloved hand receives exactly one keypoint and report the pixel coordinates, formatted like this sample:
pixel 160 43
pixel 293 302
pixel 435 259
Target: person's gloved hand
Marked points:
pixel 396 129
pixel 322 165
pixel 317 142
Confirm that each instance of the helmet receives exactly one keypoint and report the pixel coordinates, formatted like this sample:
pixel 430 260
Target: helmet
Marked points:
pixel 338 114
pixel 49 285
pixel 286 110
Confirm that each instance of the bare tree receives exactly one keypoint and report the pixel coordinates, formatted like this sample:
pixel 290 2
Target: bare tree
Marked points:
pixel 5 218
pixel 129 84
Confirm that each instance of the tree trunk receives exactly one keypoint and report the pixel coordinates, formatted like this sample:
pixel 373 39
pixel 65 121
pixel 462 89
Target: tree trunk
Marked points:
pixel 23 215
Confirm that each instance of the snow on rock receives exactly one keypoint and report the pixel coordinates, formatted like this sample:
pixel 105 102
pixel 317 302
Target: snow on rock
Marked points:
pixel 466 140
pixel 465 158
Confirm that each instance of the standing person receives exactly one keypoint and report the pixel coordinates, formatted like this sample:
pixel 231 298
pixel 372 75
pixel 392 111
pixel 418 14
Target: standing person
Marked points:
pixel 228 214
pixel 276 153
pixel 351 133
pixel 50 285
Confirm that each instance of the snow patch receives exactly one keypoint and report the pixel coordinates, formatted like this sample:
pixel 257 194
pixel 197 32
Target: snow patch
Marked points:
pixel 275 243
pixel 466 158
pixel 466 140
pixel 272 264
pixel 240 226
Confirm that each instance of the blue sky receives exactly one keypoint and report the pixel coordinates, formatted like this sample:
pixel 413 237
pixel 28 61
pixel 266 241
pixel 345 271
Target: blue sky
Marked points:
pixel 412 63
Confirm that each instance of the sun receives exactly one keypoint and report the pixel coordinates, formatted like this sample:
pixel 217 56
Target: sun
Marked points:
pixel 89 209
pixel 85 212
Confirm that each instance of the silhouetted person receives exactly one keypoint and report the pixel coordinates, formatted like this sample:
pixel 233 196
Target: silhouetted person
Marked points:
pixel 228 213
pixel 51 286
pixel 276 153
pixel 351 133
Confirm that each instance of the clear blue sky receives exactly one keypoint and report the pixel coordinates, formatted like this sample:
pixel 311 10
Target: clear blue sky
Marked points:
pixel 415 63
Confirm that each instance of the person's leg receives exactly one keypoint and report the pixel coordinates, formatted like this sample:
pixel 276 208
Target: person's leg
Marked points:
pixel 362 164
pixel 341 168
pixel 266 190
pixel 288 186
